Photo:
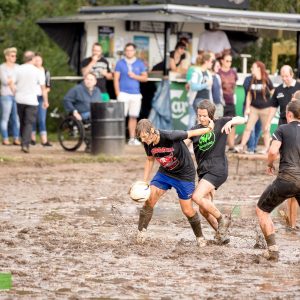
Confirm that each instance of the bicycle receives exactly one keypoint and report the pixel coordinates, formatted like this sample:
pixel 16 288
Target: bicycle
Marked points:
pixel 72 132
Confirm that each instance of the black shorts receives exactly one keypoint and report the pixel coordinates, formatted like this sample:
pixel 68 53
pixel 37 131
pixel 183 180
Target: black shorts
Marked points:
pixel 215 180
pixel 277 192
pixel 229 110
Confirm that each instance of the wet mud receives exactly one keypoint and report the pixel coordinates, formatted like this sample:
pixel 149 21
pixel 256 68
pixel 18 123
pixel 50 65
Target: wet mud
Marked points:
pixel 67 231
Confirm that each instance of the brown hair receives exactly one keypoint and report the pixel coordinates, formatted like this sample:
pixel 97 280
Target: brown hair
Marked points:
pixel 264 78
pixel 209 106
pixel 202 58
pixel 144 125
pixel 294 108
pixel 296 96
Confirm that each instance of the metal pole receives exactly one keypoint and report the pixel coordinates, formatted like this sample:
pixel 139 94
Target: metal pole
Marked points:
pixel 298 54
pixel 167 35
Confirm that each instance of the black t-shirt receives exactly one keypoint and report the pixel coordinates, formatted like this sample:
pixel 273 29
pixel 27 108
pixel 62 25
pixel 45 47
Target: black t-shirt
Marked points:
pixel 257 99
pixel 100 65
pixel 173 155
pixel 289 136
pixel 282 96
pixel 209 149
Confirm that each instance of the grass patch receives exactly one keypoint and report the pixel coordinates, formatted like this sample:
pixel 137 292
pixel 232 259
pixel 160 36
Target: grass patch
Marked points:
pixel 101 158
pixel 5 159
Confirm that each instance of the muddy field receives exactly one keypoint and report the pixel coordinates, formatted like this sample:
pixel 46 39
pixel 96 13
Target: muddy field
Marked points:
pixel 67 231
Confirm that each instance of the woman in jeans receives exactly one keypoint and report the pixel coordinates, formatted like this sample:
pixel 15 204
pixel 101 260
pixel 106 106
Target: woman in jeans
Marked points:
pixel 42 112
pixel 257 104
pixel 8 102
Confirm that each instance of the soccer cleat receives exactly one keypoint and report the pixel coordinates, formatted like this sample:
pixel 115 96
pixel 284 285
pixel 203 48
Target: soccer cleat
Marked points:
pixel 141 236
pixel 134 142
pixel 221 240
pixel 272 253
pixel 201 242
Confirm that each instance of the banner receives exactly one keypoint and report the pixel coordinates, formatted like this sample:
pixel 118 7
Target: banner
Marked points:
pixel 142 48
pixel 106 40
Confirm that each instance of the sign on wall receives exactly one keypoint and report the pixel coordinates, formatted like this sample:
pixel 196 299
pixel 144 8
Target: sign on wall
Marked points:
pixel 106 40
pixel 142 48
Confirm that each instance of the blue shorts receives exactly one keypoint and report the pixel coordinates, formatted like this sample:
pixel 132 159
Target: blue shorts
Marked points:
pixel 183 188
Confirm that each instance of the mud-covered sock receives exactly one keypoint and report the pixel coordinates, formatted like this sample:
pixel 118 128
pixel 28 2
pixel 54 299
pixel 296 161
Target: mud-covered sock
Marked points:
pixel 220 219
pixel 270 239
pixel 146 213
pixel 196 224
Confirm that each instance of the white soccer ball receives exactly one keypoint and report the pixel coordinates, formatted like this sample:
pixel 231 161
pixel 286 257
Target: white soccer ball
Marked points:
pixel 139 191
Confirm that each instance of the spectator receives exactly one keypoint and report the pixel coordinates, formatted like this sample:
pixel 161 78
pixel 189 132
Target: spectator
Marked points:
pixel 216 90
pixel 215 41
pixel 129 72
pixel 8 101
pixel 98 65
pixel 255 133
pixel 42 112
pixel 229 78
pixel 27 78
pixel 282 95
pixel 200 84
pixel 258 104
pixel 177 59
pixel 78 99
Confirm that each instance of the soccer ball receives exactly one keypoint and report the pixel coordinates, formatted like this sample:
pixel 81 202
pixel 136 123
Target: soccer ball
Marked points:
pixel 139 191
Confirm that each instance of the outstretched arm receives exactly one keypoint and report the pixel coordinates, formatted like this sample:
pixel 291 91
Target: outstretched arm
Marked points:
pixel 234 121
pixel 201 131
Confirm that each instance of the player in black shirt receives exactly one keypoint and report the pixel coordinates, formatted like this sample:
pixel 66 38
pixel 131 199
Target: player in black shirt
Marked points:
pixel 176 170
pixel 286 141
pixel 212 164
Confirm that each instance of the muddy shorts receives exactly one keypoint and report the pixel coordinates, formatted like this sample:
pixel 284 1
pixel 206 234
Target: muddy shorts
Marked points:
pixel 215 180
pixel 183 188
pixel 277 192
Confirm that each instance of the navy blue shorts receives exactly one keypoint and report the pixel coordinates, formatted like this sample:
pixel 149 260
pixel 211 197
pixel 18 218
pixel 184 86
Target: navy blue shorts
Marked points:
pixel 183 188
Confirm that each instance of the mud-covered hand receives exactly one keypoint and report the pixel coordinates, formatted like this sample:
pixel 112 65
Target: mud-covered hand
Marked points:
pixel 211 125
pixel 270 170
pixel 227 127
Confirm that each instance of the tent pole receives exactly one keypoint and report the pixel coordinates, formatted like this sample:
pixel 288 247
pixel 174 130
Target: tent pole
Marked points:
pixel 167 35
pixel 298 54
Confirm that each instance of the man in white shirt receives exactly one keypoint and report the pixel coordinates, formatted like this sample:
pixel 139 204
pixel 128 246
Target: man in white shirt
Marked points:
pixel 27 77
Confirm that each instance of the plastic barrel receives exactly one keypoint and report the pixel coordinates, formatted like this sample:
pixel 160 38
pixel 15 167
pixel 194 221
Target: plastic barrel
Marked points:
pixel 108 127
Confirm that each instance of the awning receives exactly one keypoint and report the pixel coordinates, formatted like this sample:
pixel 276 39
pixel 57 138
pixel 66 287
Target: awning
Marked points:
pixel 180 13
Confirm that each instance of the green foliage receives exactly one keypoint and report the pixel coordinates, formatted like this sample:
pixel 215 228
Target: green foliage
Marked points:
pixel 284 6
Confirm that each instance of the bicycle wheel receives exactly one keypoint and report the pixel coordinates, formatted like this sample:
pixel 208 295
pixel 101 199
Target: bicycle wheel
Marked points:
pixel 70 134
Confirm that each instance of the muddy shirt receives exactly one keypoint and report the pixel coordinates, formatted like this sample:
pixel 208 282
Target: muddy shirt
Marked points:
pixel 173 155
pixel 209 149
pixel 289 136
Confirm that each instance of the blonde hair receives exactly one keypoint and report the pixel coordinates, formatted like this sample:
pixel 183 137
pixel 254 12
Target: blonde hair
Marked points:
pixel 8 51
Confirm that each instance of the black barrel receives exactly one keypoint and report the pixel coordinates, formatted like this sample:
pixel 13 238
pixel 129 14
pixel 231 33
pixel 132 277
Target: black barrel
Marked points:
pixel 108 127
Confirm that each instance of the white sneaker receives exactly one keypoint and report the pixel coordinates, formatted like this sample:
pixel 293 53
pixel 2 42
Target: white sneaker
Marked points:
pixel 201 242
pixel 134 142
pixel 141 236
